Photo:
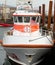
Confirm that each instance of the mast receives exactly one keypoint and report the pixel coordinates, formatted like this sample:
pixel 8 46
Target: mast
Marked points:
pixel 17 1
pixel 4 11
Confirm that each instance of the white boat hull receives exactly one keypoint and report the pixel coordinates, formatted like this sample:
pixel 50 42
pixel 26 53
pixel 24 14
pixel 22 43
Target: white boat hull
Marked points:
pixel 27 50
pixel 26 56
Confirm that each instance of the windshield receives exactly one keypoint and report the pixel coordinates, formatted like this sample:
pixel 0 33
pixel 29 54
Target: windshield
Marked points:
pixel 20 19
pixel 26 19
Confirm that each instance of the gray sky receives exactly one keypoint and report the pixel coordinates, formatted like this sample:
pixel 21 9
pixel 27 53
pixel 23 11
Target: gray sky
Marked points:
pixel 13 2
pixel 8 2
pixel 36 3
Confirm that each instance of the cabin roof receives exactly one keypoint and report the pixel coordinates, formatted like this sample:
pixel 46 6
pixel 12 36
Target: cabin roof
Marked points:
pixel 26 13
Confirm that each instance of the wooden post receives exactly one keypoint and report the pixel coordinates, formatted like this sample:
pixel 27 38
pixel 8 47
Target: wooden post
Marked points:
pixel 54 19
pixel 43 14
pixel 39 9
pixel 54 24
pixel 49 14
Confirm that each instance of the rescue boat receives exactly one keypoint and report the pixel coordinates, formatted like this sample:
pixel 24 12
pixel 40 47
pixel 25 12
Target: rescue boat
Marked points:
pixel 27 41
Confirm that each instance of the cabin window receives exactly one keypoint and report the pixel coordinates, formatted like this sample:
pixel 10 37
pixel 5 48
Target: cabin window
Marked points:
pixel 15 18
pixel 34 19
pixel 26 19
pixel 37 19
pixel 20 19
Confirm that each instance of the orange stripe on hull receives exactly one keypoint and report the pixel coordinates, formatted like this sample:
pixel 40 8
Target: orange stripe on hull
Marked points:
pixel 21 28
pixel 28 46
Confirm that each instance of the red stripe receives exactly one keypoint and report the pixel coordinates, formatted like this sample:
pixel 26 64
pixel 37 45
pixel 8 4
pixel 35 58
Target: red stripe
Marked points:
pixel 25 15
pixel 28 46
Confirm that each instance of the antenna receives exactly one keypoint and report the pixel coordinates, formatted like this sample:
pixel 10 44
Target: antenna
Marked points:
pixel 29 2
pixel 20 3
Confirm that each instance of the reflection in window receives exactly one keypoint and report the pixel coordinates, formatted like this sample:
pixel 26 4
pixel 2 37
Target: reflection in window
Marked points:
pixel 34 18
pixel 26 19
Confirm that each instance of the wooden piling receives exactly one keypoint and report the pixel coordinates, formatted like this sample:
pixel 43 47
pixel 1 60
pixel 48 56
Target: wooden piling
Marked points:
pixel 54 25
pixel 39 9
pixel 0 42
pixel 49 14
pixel 43 14
pixel 54 19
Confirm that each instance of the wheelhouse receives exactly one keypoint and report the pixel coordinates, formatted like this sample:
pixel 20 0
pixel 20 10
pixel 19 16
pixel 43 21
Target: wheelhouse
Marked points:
pixel 25 16
pixel 26 20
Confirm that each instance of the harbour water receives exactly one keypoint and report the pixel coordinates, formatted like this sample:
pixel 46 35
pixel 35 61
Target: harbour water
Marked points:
pixel 2 51
pixel 2 55
pixel 48 59
pixel 3 30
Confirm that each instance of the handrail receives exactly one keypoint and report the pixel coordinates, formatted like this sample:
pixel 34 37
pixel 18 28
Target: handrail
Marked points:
pixel 46 32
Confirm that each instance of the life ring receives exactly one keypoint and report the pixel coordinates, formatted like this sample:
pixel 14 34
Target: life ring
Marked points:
pixel 27 29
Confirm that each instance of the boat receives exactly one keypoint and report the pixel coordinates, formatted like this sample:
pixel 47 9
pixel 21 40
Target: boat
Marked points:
pixel 6 25
pixel 27 41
